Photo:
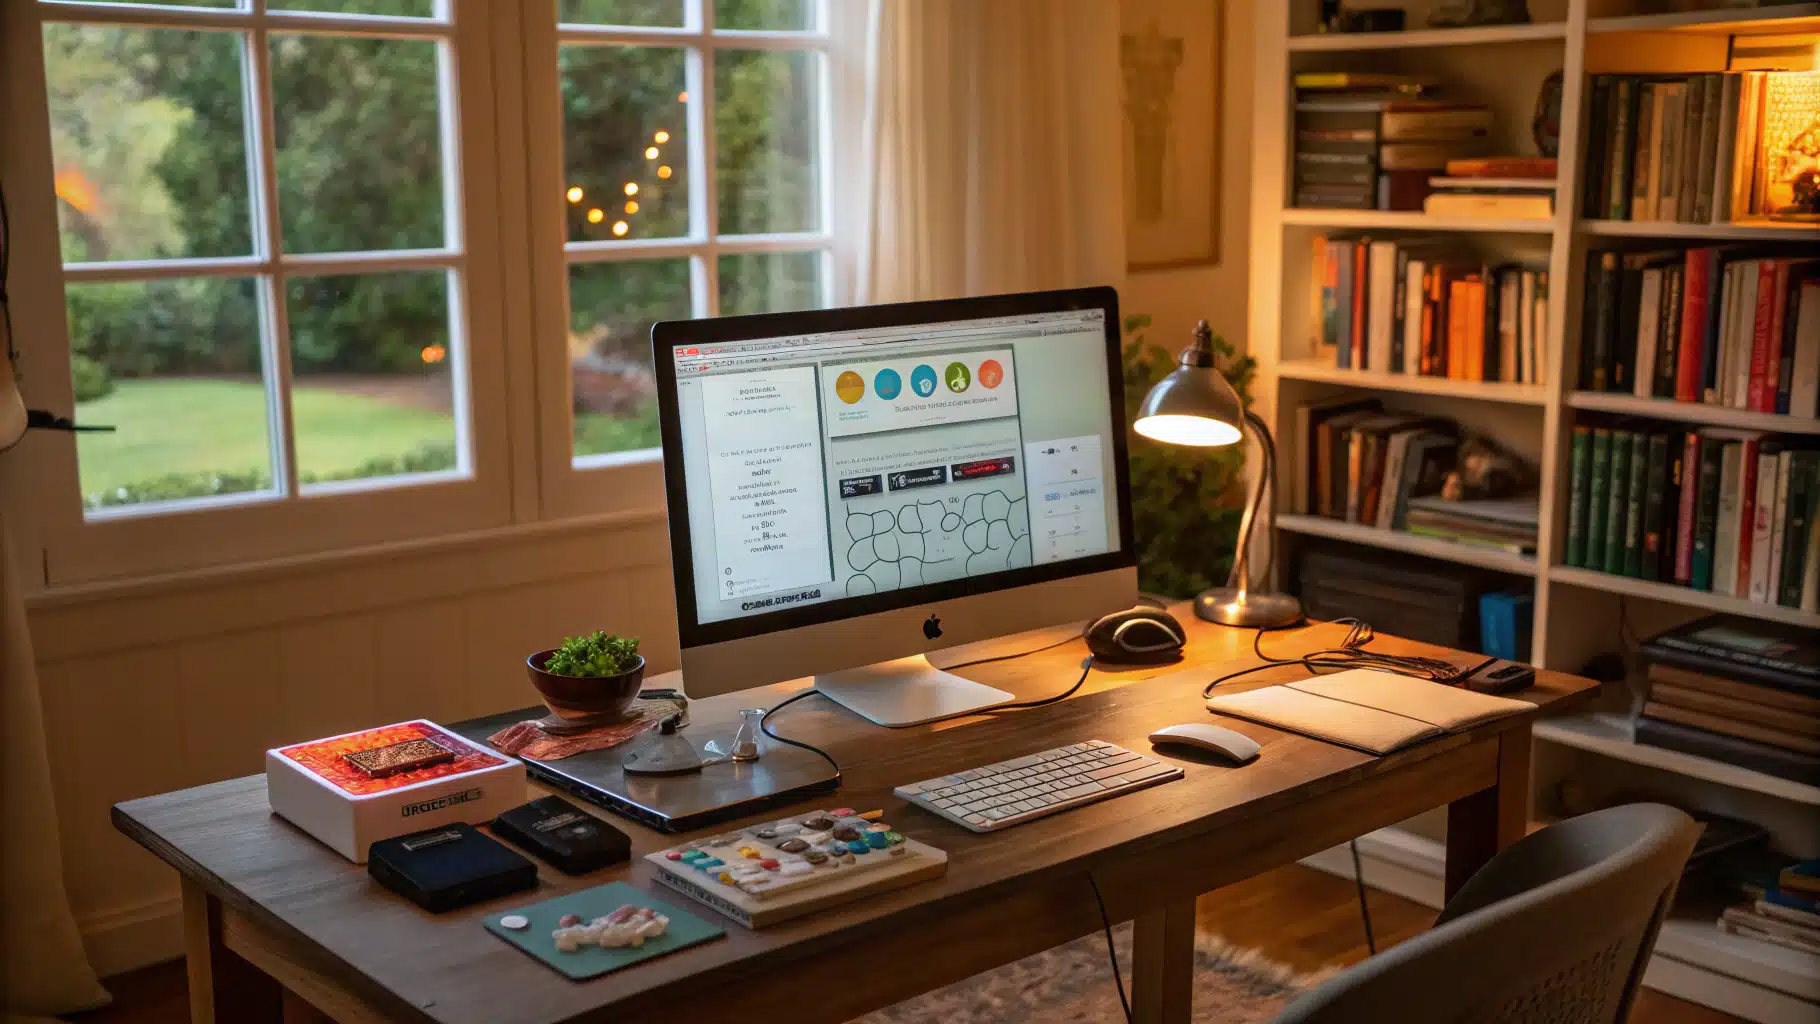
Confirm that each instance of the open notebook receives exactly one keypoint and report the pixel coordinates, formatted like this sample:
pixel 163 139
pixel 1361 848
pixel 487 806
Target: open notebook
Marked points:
pixel 1368 710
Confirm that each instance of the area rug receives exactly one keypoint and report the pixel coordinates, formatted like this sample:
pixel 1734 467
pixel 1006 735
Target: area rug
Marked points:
pixel 1072 984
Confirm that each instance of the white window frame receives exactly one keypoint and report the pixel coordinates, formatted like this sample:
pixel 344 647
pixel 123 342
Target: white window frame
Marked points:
pixel 230 529
pixel 632 481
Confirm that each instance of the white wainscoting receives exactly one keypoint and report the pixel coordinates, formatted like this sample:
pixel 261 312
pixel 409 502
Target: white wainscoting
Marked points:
pixel 156 686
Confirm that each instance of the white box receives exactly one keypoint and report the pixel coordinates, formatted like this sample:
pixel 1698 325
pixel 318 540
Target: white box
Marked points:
pixel 309 785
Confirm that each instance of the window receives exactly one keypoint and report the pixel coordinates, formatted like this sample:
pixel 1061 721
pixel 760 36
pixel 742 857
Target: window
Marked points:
pixel 692 155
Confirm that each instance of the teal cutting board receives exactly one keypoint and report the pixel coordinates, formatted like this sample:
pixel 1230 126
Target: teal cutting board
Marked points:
pixel 685 930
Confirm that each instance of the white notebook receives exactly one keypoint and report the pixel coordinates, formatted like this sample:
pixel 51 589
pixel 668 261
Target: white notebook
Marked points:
pixel 1377 712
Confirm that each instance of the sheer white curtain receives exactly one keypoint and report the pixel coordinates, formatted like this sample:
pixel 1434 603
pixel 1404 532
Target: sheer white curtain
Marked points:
pixel 989 155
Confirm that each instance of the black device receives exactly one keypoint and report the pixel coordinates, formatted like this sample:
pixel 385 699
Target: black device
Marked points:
pixel 451 866
pixel 563 834
pixel 1500 676
pixel 1136 636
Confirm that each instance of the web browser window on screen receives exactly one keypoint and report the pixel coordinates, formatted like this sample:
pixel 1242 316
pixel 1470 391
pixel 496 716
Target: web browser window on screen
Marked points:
pixel 826 466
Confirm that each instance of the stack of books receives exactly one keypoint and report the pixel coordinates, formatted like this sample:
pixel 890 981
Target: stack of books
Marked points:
pixel 1371 141
pixel 1727 511
pixel 1690 149
pixel 1736 690
pixel 1730 325
pixel 1418 306
pixel 1505 188
pixel 1786 914
pixel 1363 464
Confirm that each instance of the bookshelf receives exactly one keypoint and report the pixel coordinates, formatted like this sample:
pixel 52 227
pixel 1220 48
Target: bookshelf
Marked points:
pixel 1577 612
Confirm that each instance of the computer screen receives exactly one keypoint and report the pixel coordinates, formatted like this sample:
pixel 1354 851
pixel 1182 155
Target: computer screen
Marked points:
pixel 850 465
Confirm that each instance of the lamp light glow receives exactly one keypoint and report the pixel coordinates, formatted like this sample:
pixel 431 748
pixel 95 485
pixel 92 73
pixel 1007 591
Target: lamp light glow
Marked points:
pixel 574 193
pixel 1192 431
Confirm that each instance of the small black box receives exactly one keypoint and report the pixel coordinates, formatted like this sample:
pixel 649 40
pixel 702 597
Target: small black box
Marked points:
pixel 564 834
pixel 444 868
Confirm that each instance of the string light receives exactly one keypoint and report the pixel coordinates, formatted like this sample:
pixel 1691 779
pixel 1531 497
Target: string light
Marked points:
pixel 682 97
pixel 620 227
pixel 574 193
pixel 661 137
pixel 631 206
pixel 650 152
pixel 664 171
pixel 632 186
pixel 434 353
pixel 596 215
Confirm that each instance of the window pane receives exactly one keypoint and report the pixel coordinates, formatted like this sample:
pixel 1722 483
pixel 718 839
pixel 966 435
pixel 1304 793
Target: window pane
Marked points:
pixel 397 8
pixel 149 142
pixel 359 143
pixel 764 125
pixel 770 282
pixel 668 13
pixel 175 367
pixel 786 15
pixel 625 142
pixel 372 390
pixel 174 3
pixel 611 309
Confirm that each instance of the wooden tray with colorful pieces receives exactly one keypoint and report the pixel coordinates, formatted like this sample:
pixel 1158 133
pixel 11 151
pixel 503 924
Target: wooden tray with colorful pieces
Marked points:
pixel 762 874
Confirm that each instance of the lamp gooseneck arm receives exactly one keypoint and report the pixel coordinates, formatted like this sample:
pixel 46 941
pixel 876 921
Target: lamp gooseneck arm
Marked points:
pixel 1240 578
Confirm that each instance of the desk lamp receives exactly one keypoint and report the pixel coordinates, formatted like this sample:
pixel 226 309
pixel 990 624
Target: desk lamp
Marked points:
pixel 1195 406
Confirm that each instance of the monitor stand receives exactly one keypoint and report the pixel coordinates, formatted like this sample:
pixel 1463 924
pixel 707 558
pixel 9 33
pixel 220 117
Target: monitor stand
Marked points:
pixel 908 691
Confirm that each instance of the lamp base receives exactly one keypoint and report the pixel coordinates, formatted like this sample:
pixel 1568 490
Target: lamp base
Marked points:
pixel 1230 606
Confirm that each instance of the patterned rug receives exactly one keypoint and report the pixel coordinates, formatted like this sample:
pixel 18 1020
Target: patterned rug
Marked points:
pixel 1072 983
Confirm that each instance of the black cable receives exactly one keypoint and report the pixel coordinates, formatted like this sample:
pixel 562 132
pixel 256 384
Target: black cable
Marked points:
pixel 764 726
pixel 1111 954
pixel 1011 657
pixel 1350 654
pixel 1086 667
pixel 1358 875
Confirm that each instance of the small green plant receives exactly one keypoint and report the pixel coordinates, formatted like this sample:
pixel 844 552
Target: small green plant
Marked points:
pixel 603 654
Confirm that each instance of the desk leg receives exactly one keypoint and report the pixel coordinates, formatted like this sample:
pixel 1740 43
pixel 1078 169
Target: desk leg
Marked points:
pixel 1162 965
pixel 223 987
pixel 1480 825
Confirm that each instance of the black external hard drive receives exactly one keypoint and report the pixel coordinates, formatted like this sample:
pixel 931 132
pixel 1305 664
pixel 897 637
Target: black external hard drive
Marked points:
pixel 444 868
pixel 564 834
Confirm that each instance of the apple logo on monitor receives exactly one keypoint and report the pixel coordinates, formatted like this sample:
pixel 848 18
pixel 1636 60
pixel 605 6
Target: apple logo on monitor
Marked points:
pixel 932 627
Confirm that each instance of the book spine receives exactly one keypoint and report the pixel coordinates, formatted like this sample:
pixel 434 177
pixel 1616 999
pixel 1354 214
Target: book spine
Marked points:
pixel 1580 466
pixel 1766 347
pixel 1706 513
pixel 1343 320
pixel 1691 361
pixel 1725 527
pixel 1624 328
pixel 1330 293
pixel 1778 525
pixel 1666 155
pixel 1624 111
pixel 1605 314
pixel 1804 377
pixel 1788 304
pixel 1719 202
pixel 1633 505
pixel 1456 329
pixel 1712 94
pixel 1671 505
pixel 1649 327
pixel 1655 487
pixel 1691 452
pixel 1355 464
pixel 1399 329
pixel 1747 515
pixel 1414 333
pixel 1709 335
pixel 1801 507
pixel 1598 153
pixel 1667 360
pixel 1763 515
pixel 1617 502
pixel 1755 756
pixel 1361 305
pixel 1692 156
pixel 1598 497
pixel 1648 134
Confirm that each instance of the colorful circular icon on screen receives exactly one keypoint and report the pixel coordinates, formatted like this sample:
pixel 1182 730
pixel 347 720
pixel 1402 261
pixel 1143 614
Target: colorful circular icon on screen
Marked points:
pixel 887 383
pixel 922 380
pixel 959 378
pixel 991 374
pixel 850 386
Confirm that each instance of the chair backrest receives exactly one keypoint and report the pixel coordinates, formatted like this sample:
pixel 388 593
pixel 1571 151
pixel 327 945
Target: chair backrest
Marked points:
pixel 1557 928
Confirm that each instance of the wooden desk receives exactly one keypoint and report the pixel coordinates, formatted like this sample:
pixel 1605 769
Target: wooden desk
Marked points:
pixel 279 926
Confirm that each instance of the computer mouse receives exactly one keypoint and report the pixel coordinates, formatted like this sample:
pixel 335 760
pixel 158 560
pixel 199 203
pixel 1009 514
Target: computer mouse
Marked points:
pixel 1136 636
pixel 1235 746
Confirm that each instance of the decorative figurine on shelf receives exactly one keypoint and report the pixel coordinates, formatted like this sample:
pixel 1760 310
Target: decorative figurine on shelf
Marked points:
pixel 1486 469
pixel 1800 163
pixel 1545 126
pixel 1466 13
pixel 1370 19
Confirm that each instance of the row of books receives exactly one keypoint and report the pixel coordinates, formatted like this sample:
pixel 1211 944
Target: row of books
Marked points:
pixel 1727 511
pixel 1364 464
pixel 1737 690
pixel 1421 307
pixel 1681 148
pixel 1732 326
pixel 1787 914
pixel 1372 141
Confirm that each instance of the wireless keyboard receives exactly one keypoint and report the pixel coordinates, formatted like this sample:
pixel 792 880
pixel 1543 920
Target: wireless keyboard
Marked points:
pixel 1023 788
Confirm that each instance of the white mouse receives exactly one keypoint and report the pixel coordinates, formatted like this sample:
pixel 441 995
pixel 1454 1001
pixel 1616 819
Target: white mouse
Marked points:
pixel 1235 746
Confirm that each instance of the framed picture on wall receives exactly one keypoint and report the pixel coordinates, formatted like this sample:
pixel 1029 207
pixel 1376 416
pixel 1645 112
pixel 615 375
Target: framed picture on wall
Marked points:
pixel 1169 57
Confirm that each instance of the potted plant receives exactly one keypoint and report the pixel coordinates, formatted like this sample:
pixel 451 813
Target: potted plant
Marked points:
pixel 588 676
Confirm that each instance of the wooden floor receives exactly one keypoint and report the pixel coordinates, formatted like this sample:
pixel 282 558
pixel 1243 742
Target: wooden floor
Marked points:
pixel 1297 916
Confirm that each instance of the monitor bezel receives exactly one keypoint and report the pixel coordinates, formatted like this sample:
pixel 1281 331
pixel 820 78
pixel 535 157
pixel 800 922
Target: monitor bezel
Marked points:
pixel 668 335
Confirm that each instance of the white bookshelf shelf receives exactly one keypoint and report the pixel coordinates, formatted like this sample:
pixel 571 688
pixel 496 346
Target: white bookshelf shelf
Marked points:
pixel 1686 596
pixel 1773 20
pixel 1745 231
pixel 1397 540
pixel 1480 35
pixel 1487 391
pixel 1692 412
pixel 1697 940
pixel 1611 735
pixel 1392 220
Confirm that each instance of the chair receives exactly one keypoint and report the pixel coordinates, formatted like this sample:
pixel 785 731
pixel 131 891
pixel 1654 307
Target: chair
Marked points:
pixel 1557 928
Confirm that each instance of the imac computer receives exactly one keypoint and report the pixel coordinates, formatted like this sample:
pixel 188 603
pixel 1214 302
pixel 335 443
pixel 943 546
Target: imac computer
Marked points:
pixel 851 489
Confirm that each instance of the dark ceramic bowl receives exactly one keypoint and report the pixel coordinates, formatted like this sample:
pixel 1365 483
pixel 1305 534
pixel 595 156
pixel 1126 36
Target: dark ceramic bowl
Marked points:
pixel 585 696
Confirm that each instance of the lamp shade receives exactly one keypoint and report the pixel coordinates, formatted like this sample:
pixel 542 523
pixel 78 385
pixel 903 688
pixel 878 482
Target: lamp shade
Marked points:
pixel 1192 406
